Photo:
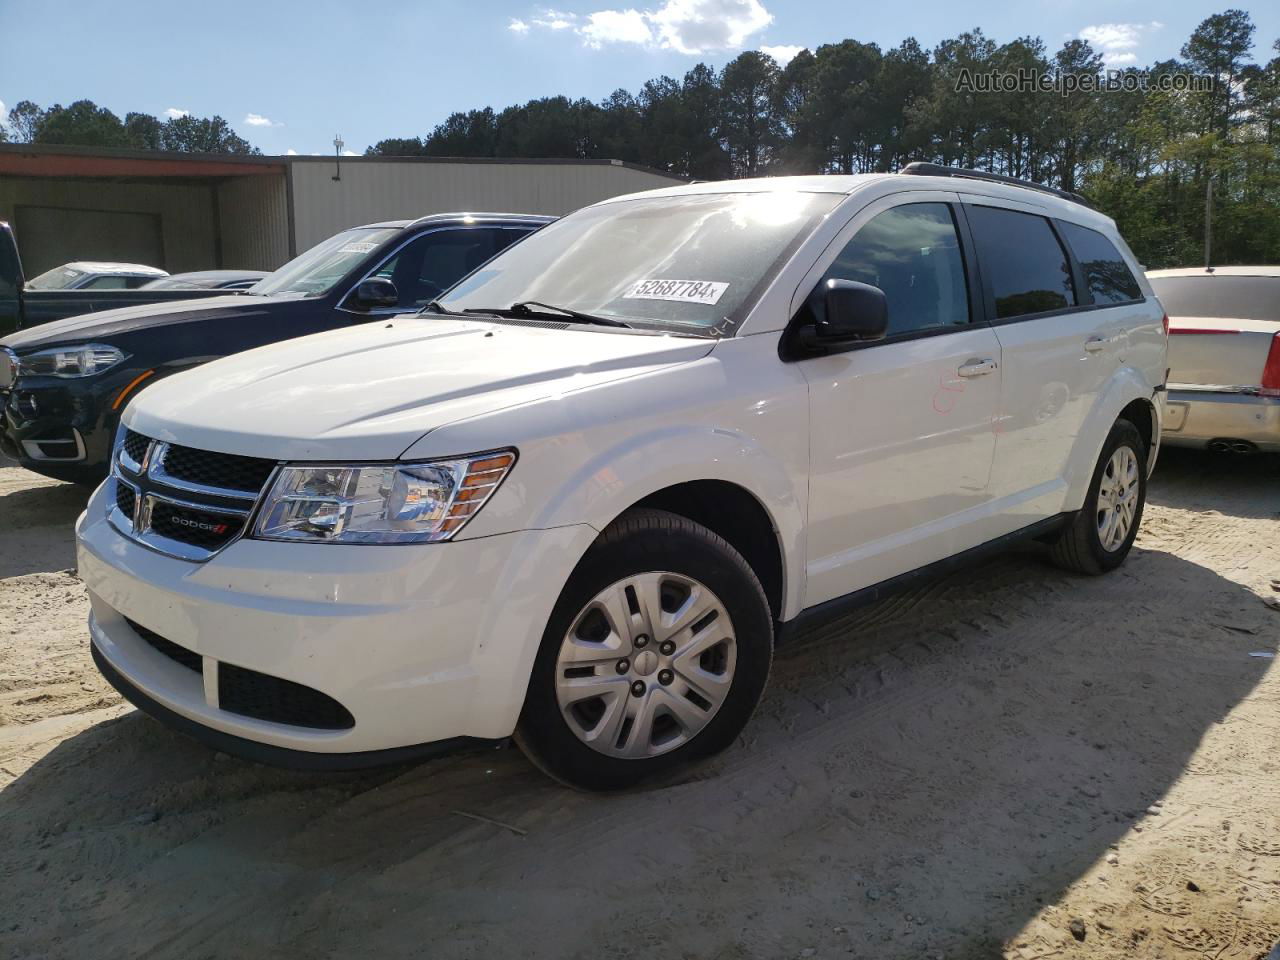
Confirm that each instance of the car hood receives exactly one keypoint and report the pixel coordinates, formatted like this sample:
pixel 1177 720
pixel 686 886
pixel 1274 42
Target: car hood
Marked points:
pixel 90 327
pixel 370 392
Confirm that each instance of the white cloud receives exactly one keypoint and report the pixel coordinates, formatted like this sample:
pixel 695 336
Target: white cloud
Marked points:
pixel 695 26
pixel 783 54
pixel 616 26
pixel 686 26
pixel 4 116
pixel 350 153
pixel 173 113
pixel 555 20
pixel 1116 42
pixel 257 120
pixel 291 152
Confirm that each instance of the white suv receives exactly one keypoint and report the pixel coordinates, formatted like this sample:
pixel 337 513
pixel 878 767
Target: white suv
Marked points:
pixel 580 497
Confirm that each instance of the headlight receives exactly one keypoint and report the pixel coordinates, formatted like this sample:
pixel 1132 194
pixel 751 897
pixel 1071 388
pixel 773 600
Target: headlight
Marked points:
pixel 380 502
pixel 81 361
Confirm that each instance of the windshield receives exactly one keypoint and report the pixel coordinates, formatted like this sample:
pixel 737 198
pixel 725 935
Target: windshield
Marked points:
pixel 315 272
pixel 59 278
pixel 1235 298
pixel 694 262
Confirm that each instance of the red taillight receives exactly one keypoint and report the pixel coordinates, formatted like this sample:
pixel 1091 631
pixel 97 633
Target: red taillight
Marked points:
pixel 1165 320
pixel 1271 372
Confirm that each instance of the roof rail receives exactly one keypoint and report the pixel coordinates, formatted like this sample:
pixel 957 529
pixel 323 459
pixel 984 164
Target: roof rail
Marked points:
pixel 921 169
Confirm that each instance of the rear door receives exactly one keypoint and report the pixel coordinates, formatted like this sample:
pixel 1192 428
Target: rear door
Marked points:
pixel 1059 348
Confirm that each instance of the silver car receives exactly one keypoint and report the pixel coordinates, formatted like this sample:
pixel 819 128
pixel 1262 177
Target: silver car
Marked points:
pixel 95 275
pixel 1224 357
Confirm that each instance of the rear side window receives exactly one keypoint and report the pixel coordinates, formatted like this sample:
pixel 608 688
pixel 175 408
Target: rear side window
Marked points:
pixel 1021 255
pixel 1108 276
pixel 107 283
pixel 912 253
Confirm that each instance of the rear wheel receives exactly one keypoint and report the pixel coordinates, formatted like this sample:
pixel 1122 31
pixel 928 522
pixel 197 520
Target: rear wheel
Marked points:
pixel 1102 533
pixel 656 655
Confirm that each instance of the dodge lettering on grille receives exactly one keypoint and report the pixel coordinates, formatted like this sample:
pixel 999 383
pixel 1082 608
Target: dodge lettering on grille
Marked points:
pixel 198 525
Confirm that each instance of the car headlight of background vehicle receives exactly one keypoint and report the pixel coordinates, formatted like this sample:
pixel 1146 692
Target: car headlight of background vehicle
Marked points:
pixel 79 361
pixel 380 502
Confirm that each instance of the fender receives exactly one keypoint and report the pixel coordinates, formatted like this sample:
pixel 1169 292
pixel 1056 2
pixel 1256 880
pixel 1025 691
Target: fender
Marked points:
pixel 1125 386
pixel 589 455
pixel 667 457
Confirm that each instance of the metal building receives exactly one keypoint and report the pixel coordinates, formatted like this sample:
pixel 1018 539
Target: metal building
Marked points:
pixel 183 211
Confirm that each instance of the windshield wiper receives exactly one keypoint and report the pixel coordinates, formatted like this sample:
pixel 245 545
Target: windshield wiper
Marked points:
pixel 526 308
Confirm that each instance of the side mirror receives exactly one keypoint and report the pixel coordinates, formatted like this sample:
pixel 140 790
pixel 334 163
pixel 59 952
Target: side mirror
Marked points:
pixel 855 312
pixel 375 292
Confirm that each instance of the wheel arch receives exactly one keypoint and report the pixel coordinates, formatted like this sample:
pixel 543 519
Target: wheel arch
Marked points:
pixel 736 514
pixel 1128 396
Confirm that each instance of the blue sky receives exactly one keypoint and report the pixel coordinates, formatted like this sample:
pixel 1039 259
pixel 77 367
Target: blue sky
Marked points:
pixel 288 75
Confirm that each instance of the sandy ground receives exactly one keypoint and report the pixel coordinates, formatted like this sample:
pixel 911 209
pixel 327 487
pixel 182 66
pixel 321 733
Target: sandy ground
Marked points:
pixel 969 770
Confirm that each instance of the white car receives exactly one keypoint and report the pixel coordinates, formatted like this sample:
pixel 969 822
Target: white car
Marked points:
pixel 93 275
pixel 1224 357
pixel 581 495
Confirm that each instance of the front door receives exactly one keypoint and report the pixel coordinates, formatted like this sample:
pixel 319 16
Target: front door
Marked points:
pixel 901 428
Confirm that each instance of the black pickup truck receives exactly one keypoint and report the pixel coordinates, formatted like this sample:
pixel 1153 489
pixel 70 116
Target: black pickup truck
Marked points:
pixel 63 385
pixel 21 307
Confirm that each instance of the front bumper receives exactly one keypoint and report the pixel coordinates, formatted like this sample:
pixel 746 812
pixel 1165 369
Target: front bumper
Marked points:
pixel 1193 418
pixel 61 427
pixel 419 643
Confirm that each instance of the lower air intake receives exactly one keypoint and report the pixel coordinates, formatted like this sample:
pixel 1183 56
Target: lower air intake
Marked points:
pixel 263 697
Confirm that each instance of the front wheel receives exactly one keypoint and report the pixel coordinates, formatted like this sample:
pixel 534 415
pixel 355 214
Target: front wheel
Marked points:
pixel 656 654
pixel 1102 533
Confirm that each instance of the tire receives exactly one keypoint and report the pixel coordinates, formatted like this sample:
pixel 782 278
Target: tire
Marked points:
pixel 619 737
pixel 1081 547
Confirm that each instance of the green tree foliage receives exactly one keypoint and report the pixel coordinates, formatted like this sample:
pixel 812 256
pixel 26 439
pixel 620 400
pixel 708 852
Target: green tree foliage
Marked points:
pixel 85 124
pixel 1144 156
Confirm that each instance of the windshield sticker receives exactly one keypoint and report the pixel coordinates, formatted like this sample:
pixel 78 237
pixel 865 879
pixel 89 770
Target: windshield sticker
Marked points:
pixel 358 246
pixel 683 291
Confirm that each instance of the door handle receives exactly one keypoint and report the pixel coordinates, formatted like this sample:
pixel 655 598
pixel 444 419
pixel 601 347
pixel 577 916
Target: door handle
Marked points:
pixel 977 368
pixel 1094 344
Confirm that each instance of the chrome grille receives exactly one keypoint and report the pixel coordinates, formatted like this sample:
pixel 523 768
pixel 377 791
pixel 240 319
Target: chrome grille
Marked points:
pixel 126 499
pixel 183 502
pixel 219 470
pixel 135 445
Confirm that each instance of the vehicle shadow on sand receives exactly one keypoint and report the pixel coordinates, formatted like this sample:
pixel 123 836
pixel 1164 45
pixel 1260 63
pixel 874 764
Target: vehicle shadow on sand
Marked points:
pixel 37 524
pixel 1233 484
pixel 956 755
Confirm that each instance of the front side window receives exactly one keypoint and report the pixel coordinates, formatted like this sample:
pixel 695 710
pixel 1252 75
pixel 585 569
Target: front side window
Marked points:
pixel 686 263
pixel 430 264
pixel 1108 276
pixel 912 253
pixel 1021 255
pixel 314 273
